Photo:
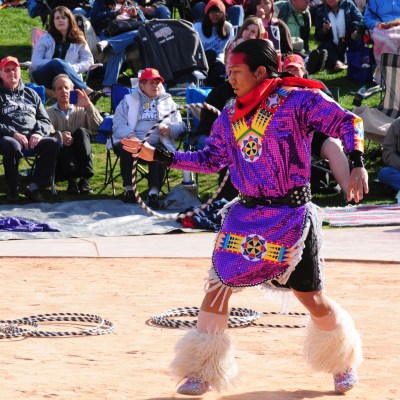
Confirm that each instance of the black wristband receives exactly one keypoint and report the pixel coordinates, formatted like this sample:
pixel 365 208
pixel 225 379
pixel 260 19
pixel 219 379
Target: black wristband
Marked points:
pixel 356 159
pixel 163 156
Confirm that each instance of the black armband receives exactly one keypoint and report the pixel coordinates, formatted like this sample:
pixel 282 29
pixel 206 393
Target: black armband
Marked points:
pixel 164 156
pixel 356 159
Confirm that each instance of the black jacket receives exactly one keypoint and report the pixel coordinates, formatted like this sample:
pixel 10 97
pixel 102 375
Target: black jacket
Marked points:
pixel 171 46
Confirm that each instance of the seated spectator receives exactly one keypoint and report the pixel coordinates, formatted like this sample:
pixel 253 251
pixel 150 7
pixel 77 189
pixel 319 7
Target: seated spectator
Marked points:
pixel 296 15
pixel 62 50
pixel 115 47
pixel 24 131
pixel 134 117
pixel 336 26
pixel 275 29
pixel 234 12
pixel 322 145
pixel 390 174
pixel 252 28
pixel 215 34
pixel 74 124
pixel 382 18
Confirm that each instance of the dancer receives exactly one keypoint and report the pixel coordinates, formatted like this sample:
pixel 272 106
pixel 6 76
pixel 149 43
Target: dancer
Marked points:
pixel 271 235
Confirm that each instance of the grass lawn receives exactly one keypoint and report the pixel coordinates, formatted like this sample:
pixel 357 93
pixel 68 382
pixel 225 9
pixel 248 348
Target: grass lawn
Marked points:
pixel 15 31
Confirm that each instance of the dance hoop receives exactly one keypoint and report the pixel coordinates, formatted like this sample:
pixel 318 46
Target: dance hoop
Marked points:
pixel 238 317
pixel 139 200
pixel 12 328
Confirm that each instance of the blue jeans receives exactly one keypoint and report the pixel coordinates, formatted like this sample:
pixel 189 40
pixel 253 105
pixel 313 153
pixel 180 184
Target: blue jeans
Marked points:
pixel 235 13
pixel 390 176
pixel 45 74
pixel 116 55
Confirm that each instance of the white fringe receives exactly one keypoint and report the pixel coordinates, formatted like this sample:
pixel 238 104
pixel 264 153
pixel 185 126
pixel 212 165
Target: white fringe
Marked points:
pixel 207 357
pixel 333 351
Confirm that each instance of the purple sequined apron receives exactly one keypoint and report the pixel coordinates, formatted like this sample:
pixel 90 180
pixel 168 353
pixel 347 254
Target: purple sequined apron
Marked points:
pixel 252 243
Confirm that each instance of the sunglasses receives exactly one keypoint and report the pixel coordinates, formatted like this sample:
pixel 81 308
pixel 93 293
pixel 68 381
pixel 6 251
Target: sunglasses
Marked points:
pixel 8 70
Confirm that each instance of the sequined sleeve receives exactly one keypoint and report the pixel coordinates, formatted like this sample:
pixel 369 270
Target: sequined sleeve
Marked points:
pixel 209 160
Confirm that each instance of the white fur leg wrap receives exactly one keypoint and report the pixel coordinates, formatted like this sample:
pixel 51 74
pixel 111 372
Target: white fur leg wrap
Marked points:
pixel 335 350
pixel 206 357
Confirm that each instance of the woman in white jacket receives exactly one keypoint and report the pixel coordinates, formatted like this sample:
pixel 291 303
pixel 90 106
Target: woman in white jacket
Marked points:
pixel 134 117
pixel 62 50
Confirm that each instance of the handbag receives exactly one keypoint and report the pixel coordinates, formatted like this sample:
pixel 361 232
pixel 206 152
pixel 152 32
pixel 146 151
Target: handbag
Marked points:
pixel 116 27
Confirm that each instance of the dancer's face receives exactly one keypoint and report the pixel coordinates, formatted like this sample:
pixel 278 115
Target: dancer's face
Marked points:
pixel 243 80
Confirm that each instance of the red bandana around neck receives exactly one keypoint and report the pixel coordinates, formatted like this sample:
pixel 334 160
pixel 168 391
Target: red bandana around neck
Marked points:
pixel 247 103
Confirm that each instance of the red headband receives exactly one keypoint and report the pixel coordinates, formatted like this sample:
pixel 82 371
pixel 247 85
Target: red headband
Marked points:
pixel 238 58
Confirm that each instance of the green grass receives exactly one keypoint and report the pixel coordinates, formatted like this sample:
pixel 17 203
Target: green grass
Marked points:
pixel 15 31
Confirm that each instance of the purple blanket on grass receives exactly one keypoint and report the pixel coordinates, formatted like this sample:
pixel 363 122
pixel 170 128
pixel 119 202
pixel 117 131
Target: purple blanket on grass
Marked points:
pixel 16 224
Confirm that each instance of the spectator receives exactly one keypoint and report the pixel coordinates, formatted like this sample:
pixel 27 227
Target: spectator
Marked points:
pixel 62 50
pixel 276 30
pixel 390 174
pixel 215 34
pixel 74 124
pixel 252 28
pixel 134 117
pixel 296 15
pixel 155 9
pixel 336 27
pixel 24 131
pixel 234 12
pixel 383 20
pixel 114 47
pixel 322 145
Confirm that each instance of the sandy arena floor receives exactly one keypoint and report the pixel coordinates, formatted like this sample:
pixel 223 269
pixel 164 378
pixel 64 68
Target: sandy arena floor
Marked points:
pixel 132 363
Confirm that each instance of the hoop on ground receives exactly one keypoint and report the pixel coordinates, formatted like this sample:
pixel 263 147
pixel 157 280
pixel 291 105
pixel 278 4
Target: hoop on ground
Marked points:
pixel 140 201
pixel 11 328
pixel 238 317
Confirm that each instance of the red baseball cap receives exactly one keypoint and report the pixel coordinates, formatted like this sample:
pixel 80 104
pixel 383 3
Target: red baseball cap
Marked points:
pixel 7 60
pixel 150 73
pixel 215 3
pixel 293 60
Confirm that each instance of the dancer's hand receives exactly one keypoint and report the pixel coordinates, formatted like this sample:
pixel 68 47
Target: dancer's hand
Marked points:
pixel 138 149
pixel 358 184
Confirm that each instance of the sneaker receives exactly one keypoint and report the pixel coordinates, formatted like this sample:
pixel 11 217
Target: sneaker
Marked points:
pixel 13 195
pixel 102 45
pixel 129 197
pixel 106 91
pixel 84 186
pixel 345 381
pixel 313 62
pixel 194 387
pixel 33 195
pixel 95 96
pixel 152 201
pixel 72 187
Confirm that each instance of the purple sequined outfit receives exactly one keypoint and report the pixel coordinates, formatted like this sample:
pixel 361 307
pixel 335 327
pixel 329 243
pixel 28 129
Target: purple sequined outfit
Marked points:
pixel 251 245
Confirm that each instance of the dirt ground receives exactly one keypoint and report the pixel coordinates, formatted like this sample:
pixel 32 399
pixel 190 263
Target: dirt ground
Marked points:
pixel 132 363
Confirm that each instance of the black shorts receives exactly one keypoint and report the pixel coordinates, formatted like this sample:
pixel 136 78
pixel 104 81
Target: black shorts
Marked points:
pixel 317 142
pixel 307 276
